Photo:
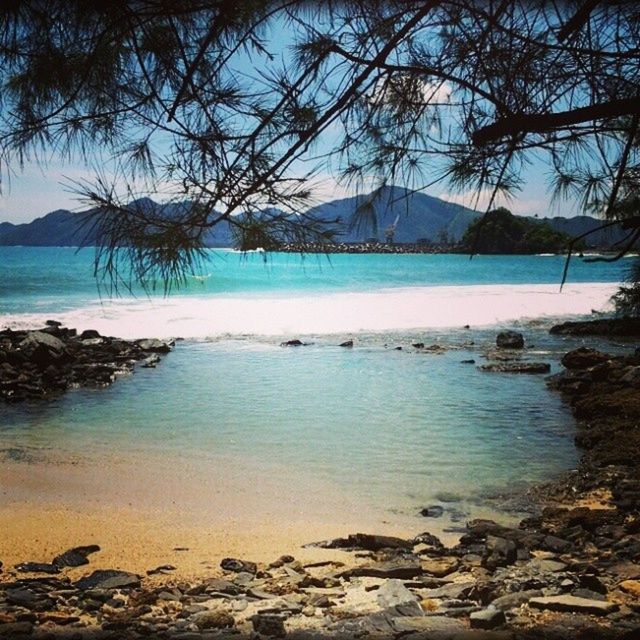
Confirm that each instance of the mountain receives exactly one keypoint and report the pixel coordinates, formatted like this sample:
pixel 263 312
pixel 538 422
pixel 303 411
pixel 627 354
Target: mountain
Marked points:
pixel 417 217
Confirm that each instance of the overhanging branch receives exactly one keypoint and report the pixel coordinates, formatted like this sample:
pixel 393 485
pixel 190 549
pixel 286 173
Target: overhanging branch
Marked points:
pixel 545 122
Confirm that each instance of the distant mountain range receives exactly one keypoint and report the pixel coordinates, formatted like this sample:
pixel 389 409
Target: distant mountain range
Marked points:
pixel 415 217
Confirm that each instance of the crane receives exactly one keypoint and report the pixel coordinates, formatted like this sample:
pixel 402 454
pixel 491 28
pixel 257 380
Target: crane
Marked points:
pixel 390 231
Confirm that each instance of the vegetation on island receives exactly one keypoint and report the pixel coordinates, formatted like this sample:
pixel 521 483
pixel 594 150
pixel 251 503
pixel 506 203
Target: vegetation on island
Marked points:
pixel 238 107
pixel 500 232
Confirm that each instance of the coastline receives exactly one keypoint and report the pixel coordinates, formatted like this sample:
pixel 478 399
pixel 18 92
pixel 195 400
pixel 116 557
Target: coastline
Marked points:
pixel 574 569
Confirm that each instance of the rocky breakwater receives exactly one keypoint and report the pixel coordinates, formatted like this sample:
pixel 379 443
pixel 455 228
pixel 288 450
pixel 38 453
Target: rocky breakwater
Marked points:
pixel 43 363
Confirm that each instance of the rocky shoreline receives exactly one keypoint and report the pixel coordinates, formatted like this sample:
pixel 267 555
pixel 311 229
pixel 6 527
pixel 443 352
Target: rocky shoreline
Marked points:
pixel 573 571
pixel 47 362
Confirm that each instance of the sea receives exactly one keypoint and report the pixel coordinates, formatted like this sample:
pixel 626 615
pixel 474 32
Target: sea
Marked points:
pixel 392 427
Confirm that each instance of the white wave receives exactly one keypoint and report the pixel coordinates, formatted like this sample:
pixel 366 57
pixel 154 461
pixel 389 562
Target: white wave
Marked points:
pixel 328 313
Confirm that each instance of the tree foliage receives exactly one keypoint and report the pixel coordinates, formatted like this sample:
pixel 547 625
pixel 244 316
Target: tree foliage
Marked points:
pixel 500 232
pixel 238 106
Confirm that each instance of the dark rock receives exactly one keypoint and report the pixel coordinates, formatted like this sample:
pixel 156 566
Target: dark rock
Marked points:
pixel 428 539
pixel 162 570
pixel 366 541
pixel 488 618
pixel 238 566
pixel 293 343
pixel 347 343
pixel 513 600
pixel 75 557
pixel 601 327
pixel 584 358
pixel 89 334
pixel 517 367
pixel 108 579
pixel 403 569
pixel 16 629
pixel 37 567
pixel 418 345
pixel 434 511
pixel 269 625
pixel 469 361
pixel 573 604
pixel 510 340
pixel 501 552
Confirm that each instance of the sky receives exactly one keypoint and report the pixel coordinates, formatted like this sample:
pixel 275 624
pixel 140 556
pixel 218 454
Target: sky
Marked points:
pixel 34 190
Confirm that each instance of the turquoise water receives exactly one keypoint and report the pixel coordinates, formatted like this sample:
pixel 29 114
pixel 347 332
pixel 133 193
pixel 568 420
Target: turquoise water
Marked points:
pixel 397 427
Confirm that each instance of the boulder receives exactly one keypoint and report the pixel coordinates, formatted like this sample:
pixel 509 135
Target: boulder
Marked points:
pixel 347 344
pixel 584 358
pixel 238 566
pixel 36 339
pixel 154 345
pixel 510 340
pixel 75 557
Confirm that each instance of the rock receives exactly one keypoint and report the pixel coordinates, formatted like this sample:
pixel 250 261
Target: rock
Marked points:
pixel 365 541
pixel 573 604
pixel 429 539
pixel 37 567
pixel 631 587
pixel 434 511
pixel 153 345
pixel 479 634
pixel 394 595
pixel 293 343
pixel 108 579
pixel 347 344
pixel 488 618
pixel 239 566
pixel 502 552
pixel 601 327
pixel 36 339
pixel 89 334
pixel 214 619
pixel 404 569
pixel 163 569
pixel 151 362
pixel 584 358
pixel 469 361
pixel 16 629
pixel 513 600
pixel 269 625
pixel 510 340
pixel 440 567
pixel 418 345
pixel 517 367
pixel 427 627
pixel 75 557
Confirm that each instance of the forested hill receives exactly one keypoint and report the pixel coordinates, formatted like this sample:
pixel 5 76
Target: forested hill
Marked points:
pixel 417 218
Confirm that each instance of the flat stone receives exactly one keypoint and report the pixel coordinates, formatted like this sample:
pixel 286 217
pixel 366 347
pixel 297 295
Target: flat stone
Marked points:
pixel 573 604
pixel 440 567
pixel 454 591
pixel 403 570
pixel 365 541
pixel 75 557
pixel 488 618
pixel 517 367
pixel 37 567
pixel 513 600
pixel 435 626
pixel 108 579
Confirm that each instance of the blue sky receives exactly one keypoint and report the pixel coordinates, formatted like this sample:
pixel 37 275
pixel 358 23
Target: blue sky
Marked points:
pixel 38 189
